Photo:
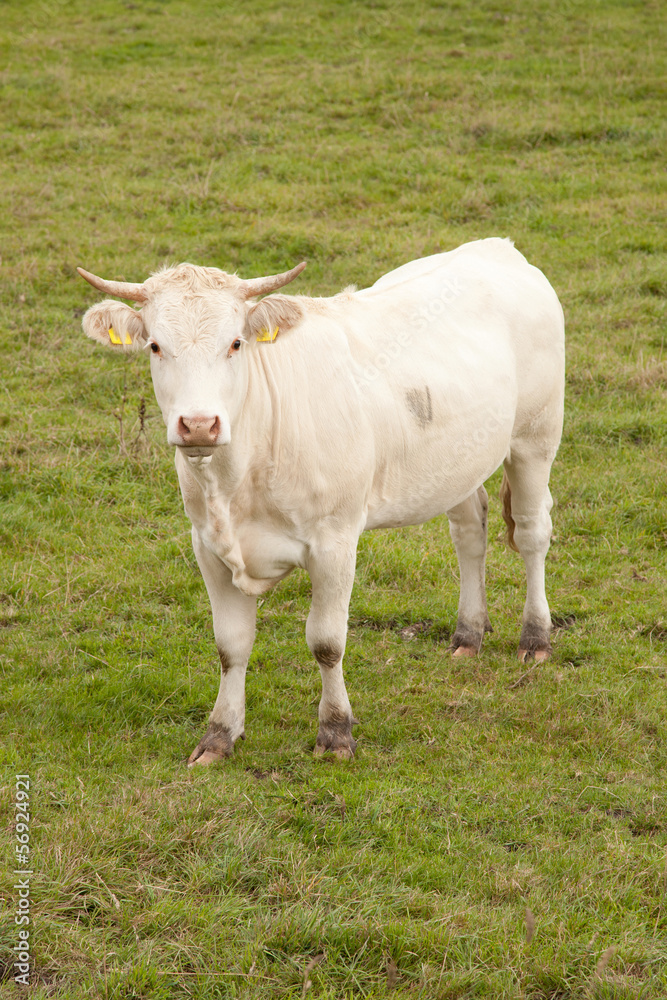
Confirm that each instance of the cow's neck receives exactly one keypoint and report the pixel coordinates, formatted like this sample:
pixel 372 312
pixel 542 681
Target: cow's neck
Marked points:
pixel 253 457
pixel 253 433
pixel 232 479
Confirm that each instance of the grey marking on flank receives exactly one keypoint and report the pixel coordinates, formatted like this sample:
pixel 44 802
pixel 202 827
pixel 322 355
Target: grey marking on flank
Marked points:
pixel 419 404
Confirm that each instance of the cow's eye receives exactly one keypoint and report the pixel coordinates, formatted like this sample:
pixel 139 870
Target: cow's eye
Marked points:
pixel 236 345
pixel 155 348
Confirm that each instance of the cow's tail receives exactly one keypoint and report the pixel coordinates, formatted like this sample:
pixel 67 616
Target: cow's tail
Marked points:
pixel 506 500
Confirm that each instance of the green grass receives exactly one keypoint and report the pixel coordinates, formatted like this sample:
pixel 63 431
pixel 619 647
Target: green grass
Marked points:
pixel 357 137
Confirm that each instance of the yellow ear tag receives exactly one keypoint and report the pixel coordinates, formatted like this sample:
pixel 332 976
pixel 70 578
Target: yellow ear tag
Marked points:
pixel 266 336
pixel 115 339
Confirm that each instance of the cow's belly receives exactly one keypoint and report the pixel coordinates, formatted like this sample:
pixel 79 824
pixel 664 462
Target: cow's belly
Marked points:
pixel 434 479
pixel 444 429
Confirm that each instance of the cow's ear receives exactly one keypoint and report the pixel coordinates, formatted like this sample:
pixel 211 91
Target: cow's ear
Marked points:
pixel 272 316
pixel 116 325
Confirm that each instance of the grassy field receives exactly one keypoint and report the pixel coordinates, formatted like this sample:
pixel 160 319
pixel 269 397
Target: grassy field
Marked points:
pixel 502 832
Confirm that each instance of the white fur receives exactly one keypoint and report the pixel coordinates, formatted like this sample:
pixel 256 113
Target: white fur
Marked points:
pixel 378 408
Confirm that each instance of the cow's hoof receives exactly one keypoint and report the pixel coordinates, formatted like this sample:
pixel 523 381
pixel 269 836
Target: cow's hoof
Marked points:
pixel 534 644
pixel 216 744
pixel 335 736
pixel 465 651
pixel 467 640
pixel 341 753
pixel 528 655
pixel 205 757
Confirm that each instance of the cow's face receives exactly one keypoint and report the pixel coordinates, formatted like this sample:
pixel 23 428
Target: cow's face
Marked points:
pixel 196 347
pixel 197 326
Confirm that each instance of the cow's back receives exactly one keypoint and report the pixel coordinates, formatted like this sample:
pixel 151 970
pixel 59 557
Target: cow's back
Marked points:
pixel 492 249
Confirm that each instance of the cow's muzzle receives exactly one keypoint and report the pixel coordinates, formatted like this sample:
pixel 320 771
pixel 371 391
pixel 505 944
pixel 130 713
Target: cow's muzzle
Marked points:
pixel 198 432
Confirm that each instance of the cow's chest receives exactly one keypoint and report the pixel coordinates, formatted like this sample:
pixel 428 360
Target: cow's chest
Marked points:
pixel 267 553
pixel 254 546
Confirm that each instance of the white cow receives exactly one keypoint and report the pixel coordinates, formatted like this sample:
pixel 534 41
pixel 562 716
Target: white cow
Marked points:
pixel 300 422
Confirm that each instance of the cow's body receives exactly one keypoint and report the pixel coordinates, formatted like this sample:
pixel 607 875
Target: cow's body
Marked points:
pixel 375 408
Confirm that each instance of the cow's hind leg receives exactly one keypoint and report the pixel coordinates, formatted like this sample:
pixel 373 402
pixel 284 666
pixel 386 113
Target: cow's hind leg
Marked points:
pixel 234 617
pixel 331 572
pixel 468 528
pixel 530 505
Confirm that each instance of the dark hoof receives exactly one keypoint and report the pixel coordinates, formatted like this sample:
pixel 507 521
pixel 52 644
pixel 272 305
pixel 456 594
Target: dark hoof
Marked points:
pixel 216 744
pixel 534 644
pixel 335 736
pixel 467 641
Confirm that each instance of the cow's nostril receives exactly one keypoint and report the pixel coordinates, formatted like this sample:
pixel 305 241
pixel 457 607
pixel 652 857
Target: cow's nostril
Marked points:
pixel 199 431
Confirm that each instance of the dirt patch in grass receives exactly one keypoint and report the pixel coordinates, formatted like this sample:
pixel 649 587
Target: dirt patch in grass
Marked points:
pixel 406 629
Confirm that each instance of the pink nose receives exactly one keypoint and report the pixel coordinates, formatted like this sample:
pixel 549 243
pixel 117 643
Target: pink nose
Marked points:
pixel 199 431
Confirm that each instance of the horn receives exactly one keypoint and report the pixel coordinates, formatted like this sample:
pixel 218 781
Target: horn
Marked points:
pixel 260 286
pixel 121 289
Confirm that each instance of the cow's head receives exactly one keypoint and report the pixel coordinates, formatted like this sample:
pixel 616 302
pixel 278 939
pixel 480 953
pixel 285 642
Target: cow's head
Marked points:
pixel 196 323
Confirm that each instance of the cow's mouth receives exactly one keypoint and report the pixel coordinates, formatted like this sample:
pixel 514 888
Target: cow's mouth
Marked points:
pixel 196 452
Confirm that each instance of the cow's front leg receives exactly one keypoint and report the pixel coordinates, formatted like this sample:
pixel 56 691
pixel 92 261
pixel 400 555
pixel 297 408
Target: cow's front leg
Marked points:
pixel 468 528
pixel 332 576
pixel 234 617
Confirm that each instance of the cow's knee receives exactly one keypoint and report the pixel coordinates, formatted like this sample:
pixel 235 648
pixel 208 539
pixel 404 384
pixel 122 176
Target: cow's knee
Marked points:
pixel 327 652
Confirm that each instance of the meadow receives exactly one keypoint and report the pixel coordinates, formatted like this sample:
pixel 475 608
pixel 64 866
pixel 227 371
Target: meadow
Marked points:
pixel 502 831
